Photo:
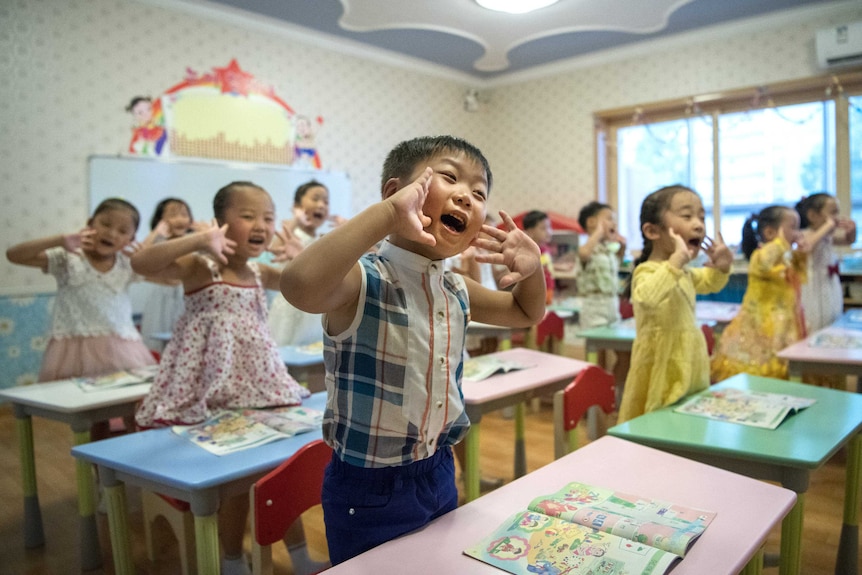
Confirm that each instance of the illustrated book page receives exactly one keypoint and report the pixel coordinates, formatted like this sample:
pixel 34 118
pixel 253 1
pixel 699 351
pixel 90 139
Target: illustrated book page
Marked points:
pixel 754 408
pixel 118 379
pixel 231 431
pixel 484 366
pixel 587 529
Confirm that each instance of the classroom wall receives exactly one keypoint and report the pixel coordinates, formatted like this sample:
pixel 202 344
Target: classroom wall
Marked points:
pixel 541 131
pixel 71 67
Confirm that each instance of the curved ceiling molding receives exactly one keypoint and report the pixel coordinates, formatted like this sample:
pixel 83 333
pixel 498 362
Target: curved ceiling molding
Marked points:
pixel 495 32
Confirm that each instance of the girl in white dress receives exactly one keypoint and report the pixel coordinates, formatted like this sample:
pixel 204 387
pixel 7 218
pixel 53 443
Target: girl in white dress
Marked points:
pixel 822 295
pixel 290 326
pixel 163 302
pixel 92 331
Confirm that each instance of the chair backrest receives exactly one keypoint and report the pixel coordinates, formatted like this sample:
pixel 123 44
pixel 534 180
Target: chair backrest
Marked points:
pixel 289 490
pixel 592 386
pixel 710 338
pixel 552 327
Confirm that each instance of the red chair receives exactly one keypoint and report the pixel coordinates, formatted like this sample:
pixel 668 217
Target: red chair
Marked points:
pixel 282 496
pixel 592 386
pixel 710 338
pixel 552 330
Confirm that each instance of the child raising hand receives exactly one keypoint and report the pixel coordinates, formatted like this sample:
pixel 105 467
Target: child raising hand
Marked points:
pixel 771 316
pixel 221 355
pixel 669 356
pixel 394 330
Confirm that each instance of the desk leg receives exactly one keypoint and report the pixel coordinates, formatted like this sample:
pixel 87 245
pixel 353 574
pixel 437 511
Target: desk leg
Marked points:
pixel 118 520
pixel 471 466
pixel 34 534
pixel 754 565
pixel 206 540
pixel 91 553
pixel 790 562
pixel 848 547
pixel 520 448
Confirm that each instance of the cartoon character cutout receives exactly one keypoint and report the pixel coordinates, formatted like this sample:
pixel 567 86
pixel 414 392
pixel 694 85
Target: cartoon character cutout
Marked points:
pixel 148 133
pixel 305 147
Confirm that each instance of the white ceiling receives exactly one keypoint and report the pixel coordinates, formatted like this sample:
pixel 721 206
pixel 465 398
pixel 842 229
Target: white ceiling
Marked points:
pixel 462 37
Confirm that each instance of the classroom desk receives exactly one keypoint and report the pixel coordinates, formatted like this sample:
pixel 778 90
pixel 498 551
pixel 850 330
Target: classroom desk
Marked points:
pixel 305 364
pixel 549 373
pixel 621 335
pixel 161 461
pixel 731 541
pixel 802 357
pixel 788 454
pixel 64 401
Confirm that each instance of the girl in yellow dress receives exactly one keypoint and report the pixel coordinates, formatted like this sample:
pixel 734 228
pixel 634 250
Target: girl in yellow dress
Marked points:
pixel 669 357
pixel 771 315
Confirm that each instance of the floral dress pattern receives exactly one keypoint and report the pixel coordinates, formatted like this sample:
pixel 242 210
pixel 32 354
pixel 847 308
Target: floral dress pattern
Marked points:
pixel 221 356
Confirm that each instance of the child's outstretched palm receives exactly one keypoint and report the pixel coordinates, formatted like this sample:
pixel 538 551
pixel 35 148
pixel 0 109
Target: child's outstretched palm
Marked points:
pixel 720 256
pixel 408 202
pixel 512 248
pixel 218 244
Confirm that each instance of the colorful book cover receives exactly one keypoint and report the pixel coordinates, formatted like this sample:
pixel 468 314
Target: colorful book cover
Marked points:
pixel 583 529
pixel 484 366
pixel 231 431
pixel 754 408
pixel 118 379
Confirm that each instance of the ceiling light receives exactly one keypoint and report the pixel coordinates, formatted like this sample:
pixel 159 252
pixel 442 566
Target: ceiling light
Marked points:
pixel 515 6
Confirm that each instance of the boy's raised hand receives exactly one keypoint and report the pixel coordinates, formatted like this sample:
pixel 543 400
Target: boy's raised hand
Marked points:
pixel 510 247
pixel 720 256
pixel 217 242
pixel 410 220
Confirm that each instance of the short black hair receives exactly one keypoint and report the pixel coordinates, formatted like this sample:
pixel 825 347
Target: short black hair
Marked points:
pixel 403 159
pixel 589 211
pixel 160 210
pixel 533 219
pixel 221 201
pixel 109 204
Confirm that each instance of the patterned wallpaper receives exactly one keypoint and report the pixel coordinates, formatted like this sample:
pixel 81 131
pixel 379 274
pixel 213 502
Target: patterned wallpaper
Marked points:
pixel 72 66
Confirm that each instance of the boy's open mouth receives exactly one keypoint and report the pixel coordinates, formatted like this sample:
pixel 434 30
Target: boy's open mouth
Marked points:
pixel 695 243
pixel 256 241
pixel 453 222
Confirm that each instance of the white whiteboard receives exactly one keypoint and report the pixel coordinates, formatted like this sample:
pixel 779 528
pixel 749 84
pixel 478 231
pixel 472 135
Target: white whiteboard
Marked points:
pixel 146 181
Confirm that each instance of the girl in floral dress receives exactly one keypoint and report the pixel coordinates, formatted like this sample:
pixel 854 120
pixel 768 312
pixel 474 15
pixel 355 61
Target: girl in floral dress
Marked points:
pixel 221 355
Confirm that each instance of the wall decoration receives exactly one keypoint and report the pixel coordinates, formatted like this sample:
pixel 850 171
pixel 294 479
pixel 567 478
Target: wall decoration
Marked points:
pixel 148 133
pixel 225 114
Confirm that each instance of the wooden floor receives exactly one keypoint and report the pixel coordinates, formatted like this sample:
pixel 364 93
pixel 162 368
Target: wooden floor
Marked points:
pixel 56 475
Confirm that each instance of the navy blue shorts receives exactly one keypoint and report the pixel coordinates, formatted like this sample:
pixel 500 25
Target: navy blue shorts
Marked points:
pixel 364 507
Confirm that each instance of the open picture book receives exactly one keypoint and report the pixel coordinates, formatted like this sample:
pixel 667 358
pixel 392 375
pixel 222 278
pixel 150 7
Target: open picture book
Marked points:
pixel 590 530
pixel 484 366
pixel 234 430
pixel 754 408
pixel 118 379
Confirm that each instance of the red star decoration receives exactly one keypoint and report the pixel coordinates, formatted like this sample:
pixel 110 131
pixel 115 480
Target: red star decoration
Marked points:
pixel 233 80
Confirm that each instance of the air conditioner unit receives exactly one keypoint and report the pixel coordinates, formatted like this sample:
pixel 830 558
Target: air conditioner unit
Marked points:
pixel 840 46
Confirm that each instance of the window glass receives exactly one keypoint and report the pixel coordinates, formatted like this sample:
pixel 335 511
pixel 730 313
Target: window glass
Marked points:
pixel 655 155
pixel 772 156
pixel 855 127
pixel 767 156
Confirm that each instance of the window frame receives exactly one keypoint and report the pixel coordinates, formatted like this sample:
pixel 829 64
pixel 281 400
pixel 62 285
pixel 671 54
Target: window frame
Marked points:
pixel 834 87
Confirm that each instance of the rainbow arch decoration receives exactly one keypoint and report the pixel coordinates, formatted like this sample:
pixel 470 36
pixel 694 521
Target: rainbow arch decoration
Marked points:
pixel 228 114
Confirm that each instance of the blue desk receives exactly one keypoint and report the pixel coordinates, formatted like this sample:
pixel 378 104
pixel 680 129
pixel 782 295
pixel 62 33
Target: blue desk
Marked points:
pixel 305 364
pixel 161 461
